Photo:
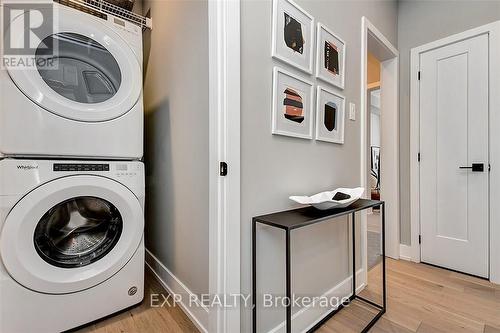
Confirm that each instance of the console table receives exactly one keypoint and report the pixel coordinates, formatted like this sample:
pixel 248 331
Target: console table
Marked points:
pixel 302 217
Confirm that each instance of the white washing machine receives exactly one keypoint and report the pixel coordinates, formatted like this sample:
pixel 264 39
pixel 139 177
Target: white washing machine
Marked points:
pixel 71 242
pixel 88 103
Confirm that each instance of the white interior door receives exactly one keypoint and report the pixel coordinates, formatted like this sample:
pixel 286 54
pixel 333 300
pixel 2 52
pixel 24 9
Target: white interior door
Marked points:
pixel 453 136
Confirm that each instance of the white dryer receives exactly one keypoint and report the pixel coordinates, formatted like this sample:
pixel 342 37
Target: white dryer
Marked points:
pixel 71 242
pixel 88 103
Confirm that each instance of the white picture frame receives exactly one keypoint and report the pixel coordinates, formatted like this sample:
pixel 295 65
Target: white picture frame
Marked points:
pixel 284 46
pixel 330 116
pixel 292 105
pixel 327 40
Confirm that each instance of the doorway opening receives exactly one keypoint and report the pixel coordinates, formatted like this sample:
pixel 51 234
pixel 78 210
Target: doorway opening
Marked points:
pixel 373 107
pixel 379 141
pixel 373 217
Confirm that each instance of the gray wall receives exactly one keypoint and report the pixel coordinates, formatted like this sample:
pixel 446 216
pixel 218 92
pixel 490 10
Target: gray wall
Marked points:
pixel 420 22
pixel 138 7
pixel 176 138
pixel 275 167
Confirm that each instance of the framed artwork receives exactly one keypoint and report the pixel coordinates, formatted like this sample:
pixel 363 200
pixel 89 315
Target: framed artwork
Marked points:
pixel 293 35
pixel 375 158
pixel 330 53
pixel 375 164
pixel 330 116
pixel 292 109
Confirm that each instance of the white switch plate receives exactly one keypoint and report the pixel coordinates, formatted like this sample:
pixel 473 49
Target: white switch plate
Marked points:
pixel 352 111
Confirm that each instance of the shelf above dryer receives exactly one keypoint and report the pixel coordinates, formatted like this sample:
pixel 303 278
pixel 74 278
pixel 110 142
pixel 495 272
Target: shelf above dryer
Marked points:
pixel 101 8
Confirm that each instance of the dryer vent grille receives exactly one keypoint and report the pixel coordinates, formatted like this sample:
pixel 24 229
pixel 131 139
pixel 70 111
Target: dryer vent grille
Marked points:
pixel 101 8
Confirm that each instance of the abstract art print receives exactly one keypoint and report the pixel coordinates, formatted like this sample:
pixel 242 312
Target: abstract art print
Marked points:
pixel 330 115
pixel 330 62
pixel 293 35
pixel 292 109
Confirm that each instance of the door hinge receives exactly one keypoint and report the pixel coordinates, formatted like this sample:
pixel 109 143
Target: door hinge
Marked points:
pixel 419 239
pixel 418 157
pixel 223 169
pixel 418 74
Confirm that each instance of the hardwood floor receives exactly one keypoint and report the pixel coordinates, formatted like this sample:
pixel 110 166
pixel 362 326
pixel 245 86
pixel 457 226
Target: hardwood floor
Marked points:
pixel 424 299
pixel 144 318
pixel 421 299
pixel 373 222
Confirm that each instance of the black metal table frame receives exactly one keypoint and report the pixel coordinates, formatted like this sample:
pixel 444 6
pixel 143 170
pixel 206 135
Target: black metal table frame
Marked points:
pixel 381 308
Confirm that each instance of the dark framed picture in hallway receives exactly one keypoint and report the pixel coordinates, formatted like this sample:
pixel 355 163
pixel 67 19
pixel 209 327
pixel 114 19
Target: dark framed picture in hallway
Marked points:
pixel 292 109
pixel 293 35
pixel 330 53
pixel 330 115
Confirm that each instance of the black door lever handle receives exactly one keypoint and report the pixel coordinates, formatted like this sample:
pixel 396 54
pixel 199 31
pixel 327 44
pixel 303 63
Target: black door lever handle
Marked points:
pixel 476 167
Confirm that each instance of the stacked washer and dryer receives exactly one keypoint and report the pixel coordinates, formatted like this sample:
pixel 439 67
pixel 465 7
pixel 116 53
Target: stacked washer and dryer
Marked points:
pixel 71 180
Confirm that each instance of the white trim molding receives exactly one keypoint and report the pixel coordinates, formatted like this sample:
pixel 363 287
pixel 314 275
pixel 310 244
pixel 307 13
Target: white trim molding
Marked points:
pixel 493 31
pixel 196 311
pixel 224 143
pixel 405 252
pixel 389 59
pixel 305 319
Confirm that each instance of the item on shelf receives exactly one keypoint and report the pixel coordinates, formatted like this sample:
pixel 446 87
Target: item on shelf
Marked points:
pixel 125 4
pixel 339 198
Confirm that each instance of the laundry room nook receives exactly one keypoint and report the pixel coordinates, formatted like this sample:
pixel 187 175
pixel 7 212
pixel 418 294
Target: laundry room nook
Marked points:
pixel 71 174
pixel 249 166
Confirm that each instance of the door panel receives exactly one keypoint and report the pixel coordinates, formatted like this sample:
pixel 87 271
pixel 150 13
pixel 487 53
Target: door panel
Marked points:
pixel 454 134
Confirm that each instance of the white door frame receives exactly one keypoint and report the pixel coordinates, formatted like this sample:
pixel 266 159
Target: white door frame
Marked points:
pixel 224 142
pixel 389 135
pixel 493 30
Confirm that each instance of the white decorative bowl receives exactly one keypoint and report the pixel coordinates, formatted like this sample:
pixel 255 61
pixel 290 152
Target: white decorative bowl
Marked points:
pixel 324 201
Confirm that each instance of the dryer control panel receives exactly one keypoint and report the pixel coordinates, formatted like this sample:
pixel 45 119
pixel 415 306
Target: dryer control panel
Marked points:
pixel 80 167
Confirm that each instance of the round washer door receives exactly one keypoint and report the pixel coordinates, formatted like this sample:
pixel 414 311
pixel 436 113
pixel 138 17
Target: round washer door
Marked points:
pixel 84 70
pixel 71 234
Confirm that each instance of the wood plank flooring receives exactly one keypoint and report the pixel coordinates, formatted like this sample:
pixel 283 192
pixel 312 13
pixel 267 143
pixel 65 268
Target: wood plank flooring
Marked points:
pixel 424 299
pixel 144 318
pixel 421 298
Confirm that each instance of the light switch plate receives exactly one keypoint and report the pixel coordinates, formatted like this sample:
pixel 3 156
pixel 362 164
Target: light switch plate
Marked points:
pixel 352 111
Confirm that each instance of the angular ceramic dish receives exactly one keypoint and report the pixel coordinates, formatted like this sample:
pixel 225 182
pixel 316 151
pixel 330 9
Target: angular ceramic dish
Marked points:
pixel 324 200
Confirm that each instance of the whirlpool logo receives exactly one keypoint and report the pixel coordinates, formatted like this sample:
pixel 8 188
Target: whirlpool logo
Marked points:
pixel 27 167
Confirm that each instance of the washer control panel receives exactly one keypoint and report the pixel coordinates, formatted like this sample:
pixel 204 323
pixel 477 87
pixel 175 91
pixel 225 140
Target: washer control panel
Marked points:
pixel 80 167
pixel 126 170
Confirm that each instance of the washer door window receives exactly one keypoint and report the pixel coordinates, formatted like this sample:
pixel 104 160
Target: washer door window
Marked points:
pixel 83 69
pixel 71 234
pixel 78 232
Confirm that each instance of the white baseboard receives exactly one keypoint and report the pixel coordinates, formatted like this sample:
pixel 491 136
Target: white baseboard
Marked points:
pixel 307 317
pixel 405 252
pixel 198 313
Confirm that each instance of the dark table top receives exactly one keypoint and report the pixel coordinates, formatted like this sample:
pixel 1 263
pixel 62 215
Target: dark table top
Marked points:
pixel 301 217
